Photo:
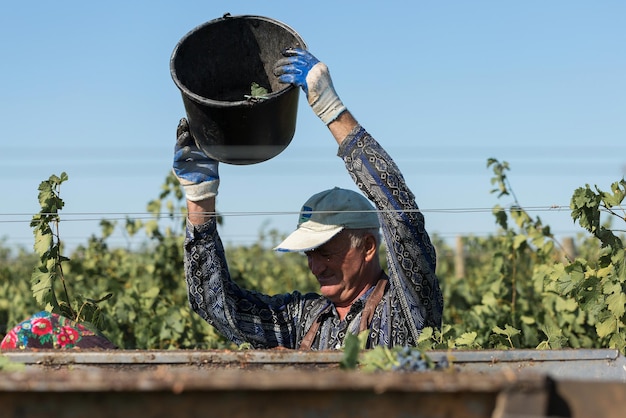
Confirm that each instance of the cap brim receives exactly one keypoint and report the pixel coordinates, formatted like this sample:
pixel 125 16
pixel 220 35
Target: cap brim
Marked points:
pixel 303 239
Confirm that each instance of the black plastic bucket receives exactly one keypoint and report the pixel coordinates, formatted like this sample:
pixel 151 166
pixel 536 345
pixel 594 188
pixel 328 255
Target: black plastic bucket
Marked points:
pixel 215 65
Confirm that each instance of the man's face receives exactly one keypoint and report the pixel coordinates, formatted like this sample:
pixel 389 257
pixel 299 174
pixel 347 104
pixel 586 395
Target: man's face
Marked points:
pixel 339 269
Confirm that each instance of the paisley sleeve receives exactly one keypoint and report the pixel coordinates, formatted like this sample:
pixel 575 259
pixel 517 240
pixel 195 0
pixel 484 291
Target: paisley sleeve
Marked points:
pixel 410 254
pixel 240 315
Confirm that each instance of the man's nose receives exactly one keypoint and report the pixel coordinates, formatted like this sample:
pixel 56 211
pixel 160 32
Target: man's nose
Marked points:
pixel 316 263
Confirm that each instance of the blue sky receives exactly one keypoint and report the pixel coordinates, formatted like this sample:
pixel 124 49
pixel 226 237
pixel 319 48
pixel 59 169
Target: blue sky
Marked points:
pixel 86 89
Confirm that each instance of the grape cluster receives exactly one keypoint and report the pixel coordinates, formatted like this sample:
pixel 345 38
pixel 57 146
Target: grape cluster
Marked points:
pixel 409 360
pixel 413 360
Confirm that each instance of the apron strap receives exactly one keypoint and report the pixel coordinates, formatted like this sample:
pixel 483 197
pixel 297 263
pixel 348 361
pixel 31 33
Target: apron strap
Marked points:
pixel 372 302
pixel 307 341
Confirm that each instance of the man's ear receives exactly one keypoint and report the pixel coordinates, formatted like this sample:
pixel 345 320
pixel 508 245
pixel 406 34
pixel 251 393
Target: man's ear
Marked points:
pixel 370 246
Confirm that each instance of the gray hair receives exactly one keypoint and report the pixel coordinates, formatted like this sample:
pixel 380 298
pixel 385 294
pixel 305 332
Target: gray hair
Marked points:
pixel 357 236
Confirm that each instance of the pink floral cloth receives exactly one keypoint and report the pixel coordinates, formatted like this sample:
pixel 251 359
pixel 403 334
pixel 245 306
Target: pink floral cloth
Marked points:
pixel 49 330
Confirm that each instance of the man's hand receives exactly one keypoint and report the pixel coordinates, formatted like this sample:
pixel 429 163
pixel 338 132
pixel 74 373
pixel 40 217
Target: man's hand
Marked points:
pixel 197 173
pixel 301 68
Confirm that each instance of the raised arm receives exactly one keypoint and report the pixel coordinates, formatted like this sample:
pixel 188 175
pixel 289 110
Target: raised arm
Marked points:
pixel 411 255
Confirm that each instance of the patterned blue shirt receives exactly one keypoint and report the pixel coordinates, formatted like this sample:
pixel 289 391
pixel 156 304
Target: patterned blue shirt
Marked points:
pixel 411 301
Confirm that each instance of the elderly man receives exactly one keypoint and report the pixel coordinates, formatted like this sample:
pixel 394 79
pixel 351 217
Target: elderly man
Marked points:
pixel 338 231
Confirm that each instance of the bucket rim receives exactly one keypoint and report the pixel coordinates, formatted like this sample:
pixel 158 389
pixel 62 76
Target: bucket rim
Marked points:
pixel 221 103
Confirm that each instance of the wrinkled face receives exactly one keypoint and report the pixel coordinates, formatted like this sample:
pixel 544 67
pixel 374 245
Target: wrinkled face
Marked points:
pixel 339 269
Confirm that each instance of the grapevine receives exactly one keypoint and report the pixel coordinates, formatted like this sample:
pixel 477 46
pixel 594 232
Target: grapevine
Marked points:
pixel 518 289
pixel 50 270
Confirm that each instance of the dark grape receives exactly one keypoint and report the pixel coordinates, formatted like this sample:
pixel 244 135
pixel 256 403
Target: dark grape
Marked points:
pixel 443 363
pixel 410 360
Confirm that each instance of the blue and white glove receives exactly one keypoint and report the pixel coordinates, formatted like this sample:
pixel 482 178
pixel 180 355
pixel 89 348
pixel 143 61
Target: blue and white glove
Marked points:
pixel 301 68
pixel 197 173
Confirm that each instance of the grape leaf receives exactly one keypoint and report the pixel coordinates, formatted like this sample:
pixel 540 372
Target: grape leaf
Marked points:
pixel 466 339
pixel 351 350
pixel 616 303
pixel 256 90
pixel 606 327
pixel 42 282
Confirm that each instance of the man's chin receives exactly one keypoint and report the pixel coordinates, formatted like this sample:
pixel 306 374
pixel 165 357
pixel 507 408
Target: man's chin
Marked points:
pixel 328 291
